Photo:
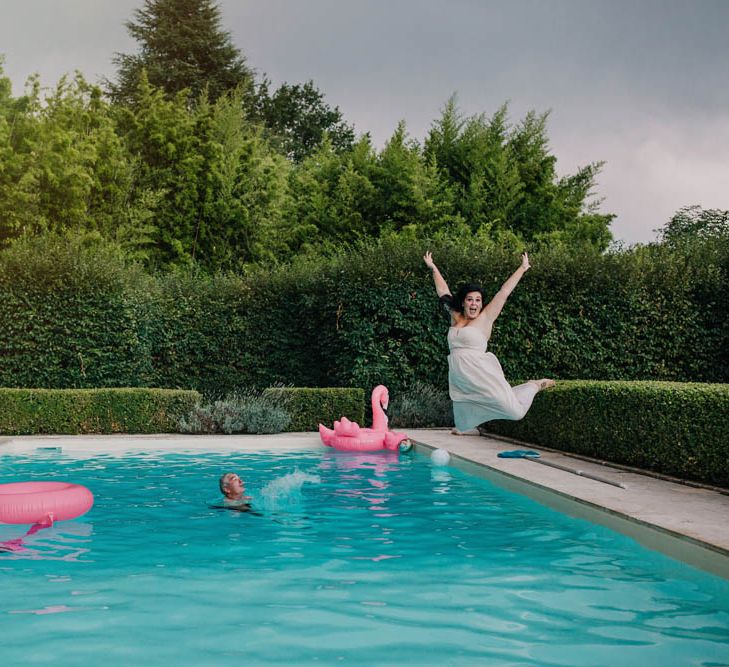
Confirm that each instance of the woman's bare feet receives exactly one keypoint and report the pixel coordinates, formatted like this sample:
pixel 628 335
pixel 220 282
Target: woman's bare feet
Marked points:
pixel 544 383
pixel 455 431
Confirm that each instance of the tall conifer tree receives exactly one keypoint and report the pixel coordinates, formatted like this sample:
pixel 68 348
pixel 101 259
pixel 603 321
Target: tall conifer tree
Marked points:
pixel 182 45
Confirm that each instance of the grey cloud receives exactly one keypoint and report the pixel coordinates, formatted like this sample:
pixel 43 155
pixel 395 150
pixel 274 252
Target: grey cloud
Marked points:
pixel 639 83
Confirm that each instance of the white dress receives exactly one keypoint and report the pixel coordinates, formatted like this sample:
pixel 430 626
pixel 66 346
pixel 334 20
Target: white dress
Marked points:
pixel 477 385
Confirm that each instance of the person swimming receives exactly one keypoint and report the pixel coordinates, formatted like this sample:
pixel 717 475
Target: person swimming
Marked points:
pixel 233 489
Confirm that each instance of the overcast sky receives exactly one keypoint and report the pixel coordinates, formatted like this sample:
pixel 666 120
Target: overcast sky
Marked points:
pixel 641 84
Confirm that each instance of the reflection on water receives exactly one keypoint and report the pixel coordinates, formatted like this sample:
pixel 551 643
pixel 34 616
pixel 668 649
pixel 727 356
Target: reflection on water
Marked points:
pixel 65 540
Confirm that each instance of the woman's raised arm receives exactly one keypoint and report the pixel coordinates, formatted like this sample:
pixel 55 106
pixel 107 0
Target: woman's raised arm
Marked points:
pixel 493 309
pixel 440 284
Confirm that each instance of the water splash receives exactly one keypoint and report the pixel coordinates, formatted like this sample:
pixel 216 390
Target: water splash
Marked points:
pixel 285 491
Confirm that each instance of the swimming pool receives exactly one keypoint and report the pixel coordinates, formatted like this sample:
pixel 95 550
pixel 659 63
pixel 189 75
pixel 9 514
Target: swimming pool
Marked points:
pixel 352 559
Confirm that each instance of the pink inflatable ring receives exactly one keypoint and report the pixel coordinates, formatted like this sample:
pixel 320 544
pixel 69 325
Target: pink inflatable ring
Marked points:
pixel 31 502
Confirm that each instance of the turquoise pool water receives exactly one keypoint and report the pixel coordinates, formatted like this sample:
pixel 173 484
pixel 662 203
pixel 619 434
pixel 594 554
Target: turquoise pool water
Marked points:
pixel 351 559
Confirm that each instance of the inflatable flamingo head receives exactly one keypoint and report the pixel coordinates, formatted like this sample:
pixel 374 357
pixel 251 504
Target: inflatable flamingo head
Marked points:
pixel 380 399
pixel 381 396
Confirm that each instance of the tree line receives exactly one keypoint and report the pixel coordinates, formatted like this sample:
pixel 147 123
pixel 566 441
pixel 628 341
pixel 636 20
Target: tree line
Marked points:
pixel 186 158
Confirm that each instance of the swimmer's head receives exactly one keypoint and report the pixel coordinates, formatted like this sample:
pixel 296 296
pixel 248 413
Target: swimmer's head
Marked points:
pixel 231 485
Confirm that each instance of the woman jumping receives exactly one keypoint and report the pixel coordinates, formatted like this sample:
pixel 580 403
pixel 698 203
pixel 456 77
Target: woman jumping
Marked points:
pixel 476 383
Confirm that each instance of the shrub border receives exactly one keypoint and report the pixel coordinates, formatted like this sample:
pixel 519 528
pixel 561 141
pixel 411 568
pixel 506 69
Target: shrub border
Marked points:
pixel 311 406
pixel 676 429
pixel 79 411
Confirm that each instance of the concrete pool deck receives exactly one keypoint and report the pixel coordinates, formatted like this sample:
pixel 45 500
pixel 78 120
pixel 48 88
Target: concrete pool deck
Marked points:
pixel 687 522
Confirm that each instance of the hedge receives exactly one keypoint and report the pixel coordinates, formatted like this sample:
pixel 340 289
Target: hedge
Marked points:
pixel 77 316
pixel 310 407
pixel 73 411
pixel 72 316
pixel 678 429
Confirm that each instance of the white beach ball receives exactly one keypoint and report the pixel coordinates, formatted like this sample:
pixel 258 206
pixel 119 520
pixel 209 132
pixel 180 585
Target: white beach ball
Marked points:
pixel 440 457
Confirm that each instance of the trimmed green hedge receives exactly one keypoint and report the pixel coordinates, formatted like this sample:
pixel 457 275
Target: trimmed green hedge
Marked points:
pixel 72 411
pixel 310 407
pixel 71 316
pixel 672 428
pixel 75 314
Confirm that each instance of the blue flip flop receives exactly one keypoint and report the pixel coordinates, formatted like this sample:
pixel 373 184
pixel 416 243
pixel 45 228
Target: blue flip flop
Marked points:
pixel 519 454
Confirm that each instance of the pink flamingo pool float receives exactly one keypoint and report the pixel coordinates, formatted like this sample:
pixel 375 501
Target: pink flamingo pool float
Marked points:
pixel 351 437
